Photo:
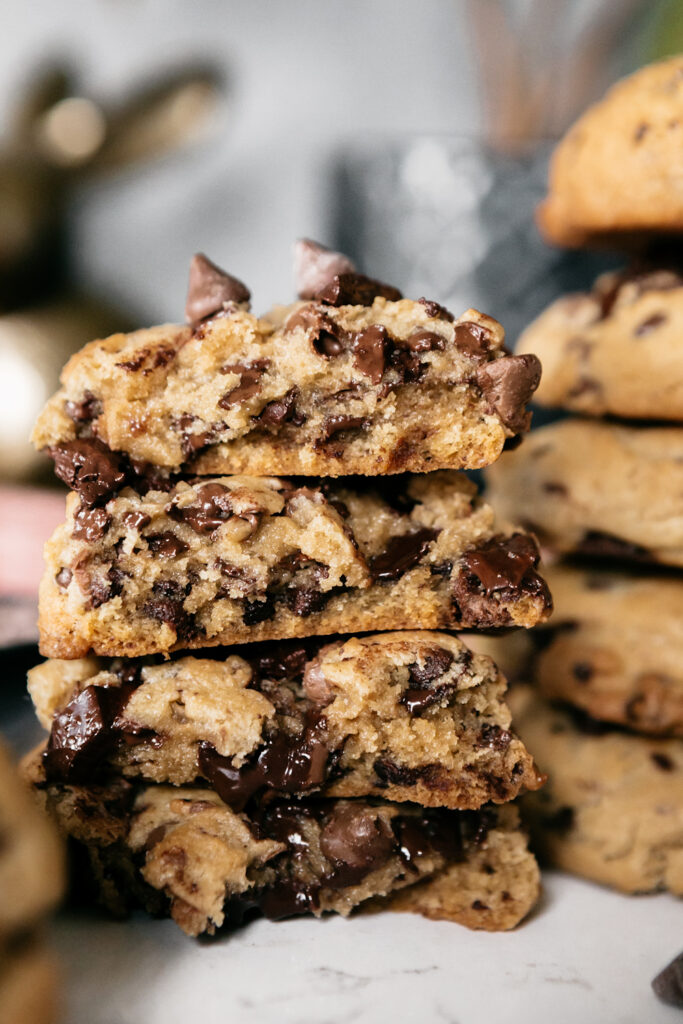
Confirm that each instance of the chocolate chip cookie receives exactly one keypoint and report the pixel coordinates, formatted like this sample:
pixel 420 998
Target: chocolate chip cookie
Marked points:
pixel 597 488
pixel 182 851
pixel 408 716
pixel 233 559
pixel 353 379
pixel 615 350
pixel 612 810
pixel 615 648
pixel 618 169
pixel 31 882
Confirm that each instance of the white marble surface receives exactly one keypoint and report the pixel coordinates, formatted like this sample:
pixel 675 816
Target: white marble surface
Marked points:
pixel 586 957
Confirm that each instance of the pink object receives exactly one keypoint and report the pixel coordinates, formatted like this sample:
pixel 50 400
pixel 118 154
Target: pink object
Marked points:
pixel 28 516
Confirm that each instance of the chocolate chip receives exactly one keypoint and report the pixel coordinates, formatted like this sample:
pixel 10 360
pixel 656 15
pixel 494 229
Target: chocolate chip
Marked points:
pixel 304 601
pixel 166 544
pixel 429 833
pixel 348 289
pixel 285 763
pixel 422 695
pixel 425 341
pixel 249 385
pixel 90 524
pixel 582 671
pixel 211 290
pixel 553 487
pixel 663 761
pixel 434 665
pixel 136 520
pixel 390 773
pixel 88 467
pixel 356 840
pixel 434 309
pixel 85 411
pixel 370 350
pixel 402 553
pixel 508 384
pixel 334 425
pixel 668 985
pixel 502 562
pixel 99 589
pixel 167 605
pixel 282 410
pixel 212 508
pixel 258 611
pixel 283 661
pixel 494 737
pixel 472 339
pixel 149 360
pixel 315 267
pixel 63 578
pixel 327 337
pixel 650 324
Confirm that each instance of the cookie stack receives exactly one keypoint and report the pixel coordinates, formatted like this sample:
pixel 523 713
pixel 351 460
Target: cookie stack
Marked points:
pixel 603 490
pixel 31 882
pixel 258 772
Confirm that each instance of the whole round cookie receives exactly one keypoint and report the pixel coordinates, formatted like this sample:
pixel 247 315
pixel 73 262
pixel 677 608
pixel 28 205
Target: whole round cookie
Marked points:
pixel 615 648
pixel 619 169
pixel 616 350
pixel 600 489
pixel 31 858
pixel 612 809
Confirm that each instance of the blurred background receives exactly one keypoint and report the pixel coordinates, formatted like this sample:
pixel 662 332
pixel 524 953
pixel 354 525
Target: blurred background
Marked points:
pixel 414 135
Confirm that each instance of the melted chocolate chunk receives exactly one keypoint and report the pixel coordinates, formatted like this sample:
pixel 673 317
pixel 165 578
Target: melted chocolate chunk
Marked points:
pixel 88 467
pixel 503 562
pixel 212 508
pixel 327 338
pixel 211 290
pixel 136 520
pixel 508 384
pixel 334 425
pixel 437 662
pixel 425 341
pixel 473 339
pixel 287 764
pixel 422 695
pixel 282 410
pixel 430 833
pixel 249 385
pixel 402 554
pixel 315 267
pixel 166 544
pixel 668 985
pixel 435 309
pixel 348 289
pixel 83 733
pixel 370 348
pixel 85 411
pixel 90 524
pixel 356 841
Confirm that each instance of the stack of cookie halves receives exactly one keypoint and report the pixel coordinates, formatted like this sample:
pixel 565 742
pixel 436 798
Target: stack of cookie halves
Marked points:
pixel 605 491
pixel 211 762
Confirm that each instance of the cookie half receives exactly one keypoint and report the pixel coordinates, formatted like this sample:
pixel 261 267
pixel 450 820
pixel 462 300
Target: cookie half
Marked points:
pixel 619 169
pixel 408 716
pixel 612 810
pixel 234 559
pixel 599 489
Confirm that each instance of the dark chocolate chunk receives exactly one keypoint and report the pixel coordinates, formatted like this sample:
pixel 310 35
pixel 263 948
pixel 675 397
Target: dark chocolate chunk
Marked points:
pixel 212 508
pixel 435 309
pixel 422 695
pixel 149 359
pixel 282 410
pixel 502 562
pixel 282 661
pixel 471 338
pixel 494 737
pixel 136 520
pixel 258 611
pixel 85 411
pixel 82 734
pixel 167 605
pixel 425 341
pixel 249 385
pixel 285 763
pixel 402 554
pixel 437 662
pixel 370 348
pixel 668 985
pixel 390 773
pixel 315 267
pixel 63 578
pixel 90 524
pixel 289 899
pixel 303 601
pixel 327 338
pixel 429 833
pixel 356 840
pixel 350 289
pixel 166 544
pixel 211 290
pixel 334 425
pixel 88 467
pixel 508 384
